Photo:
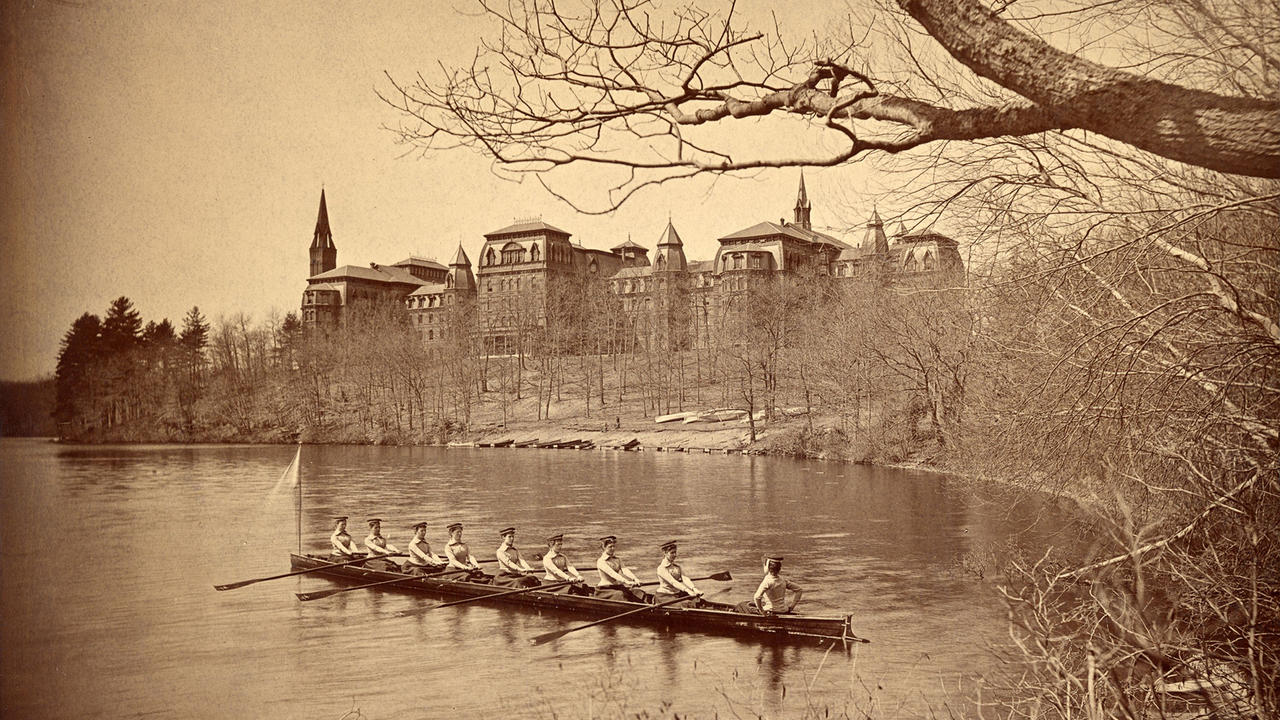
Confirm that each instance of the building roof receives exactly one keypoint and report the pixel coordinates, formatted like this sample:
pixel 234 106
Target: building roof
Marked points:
pixel 380 273
pixel 324 286
pixel 459 258
pixel 767 229
pixel 526 226
pixel 670 236
pixel 630 244
pixel 428 289
pixel 420 262
pixel 633 271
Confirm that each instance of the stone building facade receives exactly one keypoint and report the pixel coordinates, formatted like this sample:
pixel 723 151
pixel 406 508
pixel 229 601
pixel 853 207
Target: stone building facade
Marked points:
pixel 527 272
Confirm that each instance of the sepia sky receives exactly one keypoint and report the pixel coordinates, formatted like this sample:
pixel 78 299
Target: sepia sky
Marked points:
pixel 173 152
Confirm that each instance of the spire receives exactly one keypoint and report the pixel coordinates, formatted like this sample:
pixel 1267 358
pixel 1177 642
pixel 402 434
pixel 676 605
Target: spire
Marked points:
pixel 323 236
pixel 324 254
pixel 670 236
pixel 670 255
pixel 460 258
pixel 875 241
pixel 803 208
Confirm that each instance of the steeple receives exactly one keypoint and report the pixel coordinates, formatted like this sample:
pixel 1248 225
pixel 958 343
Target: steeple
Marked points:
pixel 670 254
pixel 874 240
pixel 802 206
pixel 324 254
pixel 460 276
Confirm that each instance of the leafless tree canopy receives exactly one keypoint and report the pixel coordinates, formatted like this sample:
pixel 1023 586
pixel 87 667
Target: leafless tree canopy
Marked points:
pixel 654 92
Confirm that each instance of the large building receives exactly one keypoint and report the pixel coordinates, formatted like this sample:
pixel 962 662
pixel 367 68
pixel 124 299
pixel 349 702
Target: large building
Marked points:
pixel 530 270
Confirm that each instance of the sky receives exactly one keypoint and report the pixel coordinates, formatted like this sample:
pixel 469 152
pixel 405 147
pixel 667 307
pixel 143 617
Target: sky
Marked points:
pixel 174 153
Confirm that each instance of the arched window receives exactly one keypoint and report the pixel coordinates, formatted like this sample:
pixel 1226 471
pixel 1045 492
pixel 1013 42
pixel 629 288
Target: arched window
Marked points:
pixel 593 268
pixel 737 262
pixel 489 257
pixel 661 264
pixel 929 261
pixel 534 254
pixel 911 265
pixel 448 282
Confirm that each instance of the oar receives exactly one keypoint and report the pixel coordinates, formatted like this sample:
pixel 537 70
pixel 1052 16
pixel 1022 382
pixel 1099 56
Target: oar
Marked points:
pixel 306 596
pixel 548 637
pixel 720 576
pixel 242 583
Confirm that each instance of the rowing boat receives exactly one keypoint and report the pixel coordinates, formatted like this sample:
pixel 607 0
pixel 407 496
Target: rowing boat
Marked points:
pixel 711 617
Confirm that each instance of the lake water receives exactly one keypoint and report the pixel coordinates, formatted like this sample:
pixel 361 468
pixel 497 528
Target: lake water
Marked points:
pixel 110 554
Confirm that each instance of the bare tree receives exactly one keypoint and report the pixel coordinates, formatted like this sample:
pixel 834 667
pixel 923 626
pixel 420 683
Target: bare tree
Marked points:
pixel 630 87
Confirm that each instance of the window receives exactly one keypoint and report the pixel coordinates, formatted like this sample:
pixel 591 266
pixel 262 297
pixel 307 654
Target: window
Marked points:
pixel 489 257
pixel 534 255
pixel 737 262
pixel 929 262
pixel 430 334
pixel 662 263
pixel 448 282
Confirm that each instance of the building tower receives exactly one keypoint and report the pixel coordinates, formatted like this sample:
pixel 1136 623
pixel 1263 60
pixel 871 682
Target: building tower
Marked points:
pixel 324 254
pixel 670 254
pixel 874 241
pixel 802 206
pixel 460 277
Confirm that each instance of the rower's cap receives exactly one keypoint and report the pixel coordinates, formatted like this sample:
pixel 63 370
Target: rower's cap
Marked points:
pixel 454 526
pixel 417 525
pixel 668 545
pixel 507 530
pixel 371 521
pixel 773 558
pixel 339 518
pixel 608 539
pixel 558 537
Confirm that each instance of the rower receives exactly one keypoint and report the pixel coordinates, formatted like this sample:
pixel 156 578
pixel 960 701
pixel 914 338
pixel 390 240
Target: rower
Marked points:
pixel 771 596
pixel 421 560
pixel 459 555
pixel 343 547
pixel 617 582
pixel 559 569
pixel 672 580
pixel 513 570
pixel 377 545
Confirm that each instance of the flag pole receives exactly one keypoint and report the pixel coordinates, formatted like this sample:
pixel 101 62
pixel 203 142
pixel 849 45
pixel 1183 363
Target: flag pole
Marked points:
pixel 297 459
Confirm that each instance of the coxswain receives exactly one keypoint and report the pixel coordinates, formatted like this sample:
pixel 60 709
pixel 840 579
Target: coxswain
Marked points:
pixel 343 547
pixel 617 582
pixel 459 555
pixel 771 596
pixel 513 571
pixel 559 570
pixel 377 545
pixel 672 581
pixel 421 560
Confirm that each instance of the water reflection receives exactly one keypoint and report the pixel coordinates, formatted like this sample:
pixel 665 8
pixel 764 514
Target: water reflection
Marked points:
pixel 110 553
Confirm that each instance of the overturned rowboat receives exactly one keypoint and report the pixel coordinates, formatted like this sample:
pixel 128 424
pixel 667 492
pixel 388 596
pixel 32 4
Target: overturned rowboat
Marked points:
pixel 711 617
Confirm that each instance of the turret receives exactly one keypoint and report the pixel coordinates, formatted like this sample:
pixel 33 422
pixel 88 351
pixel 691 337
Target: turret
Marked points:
pixel 874 240
pixel 803 207
pixel 324 254
pixel 670 253
pixel 460 277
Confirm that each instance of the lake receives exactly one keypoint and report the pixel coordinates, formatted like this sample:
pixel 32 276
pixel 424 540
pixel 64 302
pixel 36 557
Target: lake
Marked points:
pixel 110 554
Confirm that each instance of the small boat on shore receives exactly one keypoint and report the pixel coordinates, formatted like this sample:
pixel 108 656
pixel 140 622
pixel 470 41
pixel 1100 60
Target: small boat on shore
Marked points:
pixel 711 617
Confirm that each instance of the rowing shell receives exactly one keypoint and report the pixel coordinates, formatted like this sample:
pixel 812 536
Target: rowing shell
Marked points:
pixel 712 617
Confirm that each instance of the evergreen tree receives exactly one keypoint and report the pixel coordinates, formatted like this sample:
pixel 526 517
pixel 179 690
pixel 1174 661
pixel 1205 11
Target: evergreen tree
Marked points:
pixel 79 358
pixel 122 328
pixel 195 331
